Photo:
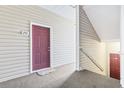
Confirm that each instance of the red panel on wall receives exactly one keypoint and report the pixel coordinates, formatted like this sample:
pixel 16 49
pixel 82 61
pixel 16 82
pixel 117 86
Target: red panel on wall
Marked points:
pixel 115 66
pixel 40 47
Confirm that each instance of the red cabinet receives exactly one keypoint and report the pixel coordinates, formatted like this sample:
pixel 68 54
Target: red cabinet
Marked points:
pixel 115 66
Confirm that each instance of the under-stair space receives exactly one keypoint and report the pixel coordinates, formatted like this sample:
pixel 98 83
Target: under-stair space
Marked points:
pixel 95 53
pixel 92 50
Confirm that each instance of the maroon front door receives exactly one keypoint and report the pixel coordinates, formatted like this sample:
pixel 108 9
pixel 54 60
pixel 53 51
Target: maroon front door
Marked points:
pixel 115 66
pixel 40 47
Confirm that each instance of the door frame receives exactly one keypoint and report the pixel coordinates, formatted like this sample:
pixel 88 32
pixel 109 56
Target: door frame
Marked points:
pixel 51 46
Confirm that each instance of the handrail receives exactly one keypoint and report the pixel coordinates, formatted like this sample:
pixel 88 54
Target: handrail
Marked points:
pixel 92 60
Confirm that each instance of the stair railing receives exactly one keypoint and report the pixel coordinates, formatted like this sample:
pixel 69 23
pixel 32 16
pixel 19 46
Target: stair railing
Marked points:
pixel 92 60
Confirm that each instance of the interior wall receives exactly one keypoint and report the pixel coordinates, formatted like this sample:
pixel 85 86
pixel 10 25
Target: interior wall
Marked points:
pixel 91 44
pixel 111 47
pixel 15 47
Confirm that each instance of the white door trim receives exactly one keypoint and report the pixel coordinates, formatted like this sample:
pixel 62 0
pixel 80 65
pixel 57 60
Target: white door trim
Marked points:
pixel 51 46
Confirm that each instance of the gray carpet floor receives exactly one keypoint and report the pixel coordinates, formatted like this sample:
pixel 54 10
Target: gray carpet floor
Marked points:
pixel 63 77
pixel 87 79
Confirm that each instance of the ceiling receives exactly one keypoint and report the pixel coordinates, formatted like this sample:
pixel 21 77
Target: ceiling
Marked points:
pixel 105 20
pixel 66 11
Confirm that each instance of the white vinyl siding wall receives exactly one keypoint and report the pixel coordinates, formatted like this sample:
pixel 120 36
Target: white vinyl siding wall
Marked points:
pixel 90 42
pixel 15 48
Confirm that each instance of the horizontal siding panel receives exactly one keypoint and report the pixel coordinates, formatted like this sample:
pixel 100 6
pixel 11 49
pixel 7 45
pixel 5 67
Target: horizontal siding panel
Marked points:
pixel 26 11
pixel 11 18
pixel 14 55
pixel 31 14
pixel 13 40
pixel 13 37
pixel 12 29
pixel 15 13
pixel 10 32
pixel 15 72
pixel 13 48
pixel 14 26
pixel 11 62
pixel 14 58
pixel 14 45
pixel 13 66
pixel 27 15
pixel 13 52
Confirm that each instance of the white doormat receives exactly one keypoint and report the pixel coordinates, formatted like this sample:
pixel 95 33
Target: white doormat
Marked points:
pixel 45 72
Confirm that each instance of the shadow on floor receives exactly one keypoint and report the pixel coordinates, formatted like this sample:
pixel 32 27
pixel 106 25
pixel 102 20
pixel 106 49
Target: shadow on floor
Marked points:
pixel 87 79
